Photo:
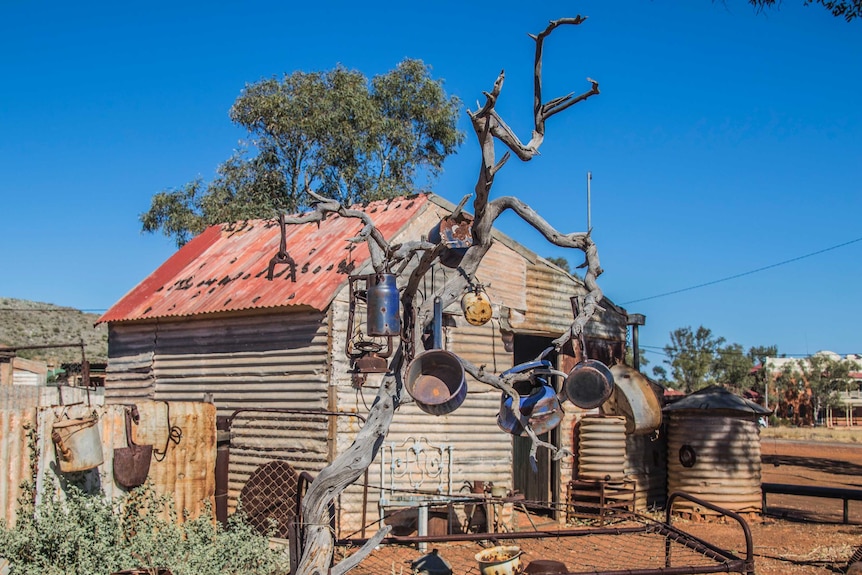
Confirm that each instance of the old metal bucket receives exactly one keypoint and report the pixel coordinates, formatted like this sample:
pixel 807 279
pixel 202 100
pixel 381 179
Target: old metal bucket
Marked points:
pixel 436 381
pixel 589 384
pixel 78 444
pixel 500 560
pixel 132 463
pixel 541 409
pixel 383 300
pixel 634 399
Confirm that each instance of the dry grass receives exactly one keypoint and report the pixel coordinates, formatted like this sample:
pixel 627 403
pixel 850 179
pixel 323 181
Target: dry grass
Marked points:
pixel 836 434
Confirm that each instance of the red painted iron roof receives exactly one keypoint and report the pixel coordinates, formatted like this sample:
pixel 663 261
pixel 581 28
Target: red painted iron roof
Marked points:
pixel 225 267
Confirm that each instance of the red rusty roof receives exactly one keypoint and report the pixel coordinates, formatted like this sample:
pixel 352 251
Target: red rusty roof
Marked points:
pixel 225 267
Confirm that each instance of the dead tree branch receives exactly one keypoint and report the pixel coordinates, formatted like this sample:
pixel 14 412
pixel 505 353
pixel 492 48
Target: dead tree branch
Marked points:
pixel 318 540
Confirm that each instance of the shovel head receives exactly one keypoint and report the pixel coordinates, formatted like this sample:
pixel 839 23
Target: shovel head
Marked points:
pixel 132 465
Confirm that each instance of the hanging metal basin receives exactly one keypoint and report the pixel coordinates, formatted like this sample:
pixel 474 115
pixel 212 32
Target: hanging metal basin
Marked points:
pixel 436 381
pixel 589 384
pixel 541 409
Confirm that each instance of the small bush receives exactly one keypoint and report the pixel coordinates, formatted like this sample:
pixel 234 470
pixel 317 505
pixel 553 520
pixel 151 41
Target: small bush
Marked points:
pixel 86 535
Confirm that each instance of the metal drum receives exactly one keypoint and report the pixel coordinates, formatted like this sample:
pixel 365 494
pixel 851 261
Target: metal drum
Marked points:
pixel 602 448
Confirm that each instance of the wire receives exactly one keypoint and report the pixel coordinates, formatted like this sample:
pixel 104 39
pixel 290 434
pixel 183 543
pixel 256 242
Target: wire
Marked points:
pixel 748 273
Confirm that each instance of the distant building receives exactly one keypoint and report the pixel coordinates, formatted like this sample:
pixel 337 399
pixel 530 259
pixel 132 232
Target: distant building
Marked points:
pixel 798 404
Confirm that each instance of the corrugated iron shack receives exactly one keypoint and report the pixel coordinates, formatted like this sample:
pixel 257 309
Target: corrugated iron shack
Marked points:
pixel 271 355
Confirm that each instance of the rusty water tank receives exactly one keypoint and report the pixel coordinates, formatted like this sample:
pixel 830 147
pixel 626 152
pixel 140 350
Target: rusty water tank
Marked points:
pixel 646 465
pixel 602 448
pixel 714 451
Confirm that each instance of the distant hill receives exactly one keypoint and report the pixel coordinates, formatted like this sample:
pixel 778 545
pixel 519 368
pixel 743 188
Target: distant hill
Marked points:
pixel 24 323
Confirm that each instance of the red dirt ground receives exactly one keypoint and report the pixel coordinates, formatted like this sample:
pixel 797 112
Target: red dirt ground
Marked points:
pixel 798 536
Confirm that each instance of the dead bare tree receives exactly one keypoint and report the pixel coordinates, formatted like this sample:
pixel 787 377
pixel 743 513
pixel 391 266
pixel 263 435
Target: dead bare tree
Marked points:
pixel 317 539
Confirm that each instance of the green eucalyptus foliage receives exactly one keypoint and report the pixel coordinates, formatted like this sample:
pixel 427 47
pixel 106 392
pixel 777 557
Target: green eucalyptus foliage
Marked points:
pixel 331 131
pixel 85 535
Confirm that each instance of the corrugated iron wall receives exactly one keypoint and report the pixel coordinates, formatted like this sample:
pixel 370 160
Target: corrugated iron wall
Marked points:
pixel 15 455
pixel 275 360
pixel 715 457
pixel 129 374
pixel 271 360
pixel 481 450
pixel 184 468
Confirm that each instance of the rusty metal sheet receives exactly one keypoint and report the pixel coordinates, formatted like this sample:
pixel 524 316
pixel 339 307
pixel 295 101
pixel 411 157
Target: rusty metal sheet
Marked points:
pixel 15 455
pixel 225 267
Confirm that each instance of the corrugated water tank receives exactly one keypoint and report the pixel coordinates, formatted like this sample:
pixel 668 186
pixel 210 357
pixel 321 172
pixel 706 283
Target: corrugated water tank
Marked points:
pixel 714 450
pixel 646 465
pixel 602 448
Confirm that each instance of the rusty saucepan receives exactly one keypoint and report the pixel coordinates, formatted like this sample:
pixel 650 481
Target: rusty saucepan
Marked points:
pixel 436 381
pixel 589 384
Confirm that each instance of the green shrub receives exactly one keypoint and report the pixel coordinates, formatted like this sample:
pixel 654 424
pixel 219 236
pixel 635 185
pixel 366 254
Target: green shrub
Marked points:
pixel 83 535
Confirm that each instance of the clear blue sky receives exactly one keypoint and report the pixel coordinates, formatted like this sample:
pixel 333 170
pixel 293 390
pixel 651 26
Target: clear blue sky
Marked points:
pixel 724 141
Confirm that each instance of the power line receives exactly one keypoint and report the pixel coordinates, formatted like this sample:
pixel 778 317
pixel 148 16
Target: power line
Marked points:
pixel 748 273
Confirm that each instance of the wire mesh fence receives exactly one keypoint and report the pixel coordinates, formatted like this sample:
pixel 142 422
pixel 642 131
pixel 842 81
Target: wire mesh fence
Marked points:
pixel 273 455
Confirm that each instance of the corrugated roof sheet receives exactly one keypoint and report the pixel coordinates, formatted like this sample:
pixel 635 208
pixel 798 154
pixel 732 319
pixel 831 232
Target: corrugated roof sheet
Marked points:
pixel 225 267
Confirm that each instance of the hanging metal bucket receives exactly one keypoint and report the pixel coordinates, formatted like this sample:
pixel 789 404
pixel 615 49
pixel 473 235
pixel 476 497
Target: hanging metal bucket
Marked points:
pixel 383 317
pixel 541 409
pixel 79 446
pixel 436 381
pixel 589 384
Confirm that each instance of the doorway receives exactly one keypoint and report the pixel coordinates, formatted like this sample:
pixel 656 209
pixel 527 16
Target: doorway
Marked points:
pixel 538 484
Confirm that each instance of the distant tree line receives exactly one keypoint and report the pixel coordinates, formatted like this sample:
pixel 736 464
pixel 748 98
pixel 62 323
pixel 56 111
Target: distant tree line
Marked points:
pixel 798 389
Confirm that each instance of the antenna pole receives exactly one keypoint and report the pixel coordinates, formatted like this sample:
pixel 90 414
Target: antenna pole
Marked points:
pixel 589 206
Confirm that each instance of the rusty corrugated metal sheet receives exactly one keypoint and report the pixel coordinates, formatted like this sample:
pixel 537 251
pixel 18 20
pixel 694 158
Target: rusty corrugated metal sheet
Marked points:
pixel 15 455
pixel 724 453
pixel 185 470
pixel 225 267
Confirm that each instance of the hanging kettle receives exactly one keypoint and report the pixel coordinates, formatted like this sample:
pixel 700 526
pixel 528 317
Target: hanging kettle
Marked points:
pixel 476 306
pixel 541 409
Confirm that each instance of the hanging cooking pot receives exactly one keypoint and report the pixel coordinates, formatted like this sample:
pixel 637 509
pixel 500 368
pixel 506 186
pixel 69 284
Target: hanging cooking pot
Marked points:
pixel 382 299
pixel 589 384
pixel 541 409
pixel 436 380
pixel 132 463
pixel 476 306
pixel 634 399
